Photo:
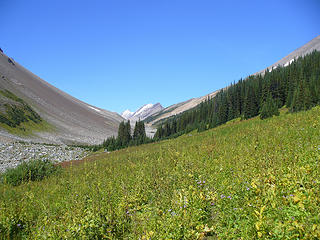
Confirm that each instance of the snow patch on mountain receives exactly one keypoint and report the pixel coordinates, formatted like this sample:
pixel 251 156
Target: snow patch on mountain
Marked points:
pixel 127 114
pixel 143 112
pixel 98 110
pixel 287 63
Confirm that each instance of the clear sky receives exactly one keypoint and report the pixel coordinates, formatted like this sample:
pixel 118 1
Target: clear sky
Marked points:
pixel 121 54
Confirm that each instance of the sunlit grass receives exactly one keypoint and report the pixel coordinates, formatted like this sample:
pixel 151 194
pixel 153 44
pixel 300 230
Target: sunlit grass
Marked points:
pixel 243 180
pixel 29 128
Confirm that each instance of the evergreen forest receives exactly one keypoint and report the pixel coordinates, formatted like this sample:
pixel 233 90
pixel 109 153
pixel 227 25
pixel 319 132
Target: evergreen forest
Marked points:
pixel 125 138
pixel 296 87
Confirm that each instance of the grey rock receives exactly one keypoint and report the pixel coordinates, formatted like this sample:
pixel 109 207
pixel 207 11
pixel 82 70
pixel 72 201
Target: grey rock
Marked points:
pixel 12 154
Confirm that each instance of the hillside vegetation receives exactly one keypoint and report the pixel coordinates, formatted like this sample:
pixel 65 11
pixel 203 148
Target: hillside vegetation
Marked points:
pixel 242 180
pixel 18 117
pixel 296 86
pixel 14 111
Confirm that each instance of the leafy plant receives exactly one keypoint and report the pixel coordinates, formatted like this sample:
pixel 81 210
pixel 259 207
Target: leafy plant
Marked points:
pixel 33 170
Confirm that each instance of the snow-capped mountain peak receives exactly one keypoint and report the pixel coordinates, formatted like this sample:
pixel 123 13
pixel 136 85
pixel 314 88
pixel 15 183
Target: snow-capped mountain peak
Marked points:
pixel 143 112
pixel 143 109
pixel 127 114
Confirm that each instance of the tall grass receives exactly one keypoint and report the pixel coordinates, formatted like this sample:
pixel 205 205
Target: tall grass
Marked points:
pixel 33 170
pixel 243 180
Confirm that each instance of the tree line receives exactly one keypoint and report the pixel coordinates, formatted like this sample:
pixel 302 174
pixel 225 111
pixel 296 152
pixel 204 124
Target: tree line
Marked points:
pixel 296 86
pixel 126 138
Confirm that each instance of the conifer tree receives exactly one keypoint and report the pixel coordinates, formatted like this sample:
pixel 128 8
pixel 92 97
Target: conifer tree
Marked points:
pixel 127 134
pixel 269 108
pixel 139 133
pixel 121 134
pixel 297 86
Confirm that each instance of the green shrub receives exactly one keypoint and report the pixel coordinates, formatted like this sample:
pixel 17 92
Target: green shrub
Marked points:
pixel 33 170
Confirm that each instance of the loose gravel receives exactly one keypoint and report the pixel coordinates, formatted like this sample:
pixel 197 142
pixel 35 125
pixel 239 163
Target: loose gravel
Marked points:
pixel 12 154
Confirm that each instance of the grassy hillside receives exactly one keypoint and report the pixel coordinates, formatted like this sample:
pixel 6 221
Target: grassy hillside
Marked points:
pixel 18 117
pixel 243 180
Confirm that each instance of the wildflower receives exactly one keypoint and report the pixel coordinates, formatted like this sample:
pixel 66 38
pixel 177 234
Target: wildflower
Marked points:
pixel 229 197
pixel 222 196
pixel 18 225
pixel 212 203
pixel 248 188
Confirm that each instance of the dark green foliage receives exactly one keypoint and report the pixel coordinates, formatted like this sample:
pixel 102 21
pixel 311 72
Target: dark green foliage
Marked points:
pixel 251 107
pixel 10 95
pixel 269 108
pixel 302 99
pixel 124 138
pixel 124 134
pixel 139 133
pixel 17 113
pixel 296 86
pixel 33 170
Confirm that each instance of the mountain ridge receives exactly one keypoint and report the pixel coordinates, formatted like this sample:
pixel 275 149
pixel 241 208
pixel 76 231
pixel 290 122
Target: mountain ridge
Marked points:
pixel 310 46
pixel 143 112
pixel 75 121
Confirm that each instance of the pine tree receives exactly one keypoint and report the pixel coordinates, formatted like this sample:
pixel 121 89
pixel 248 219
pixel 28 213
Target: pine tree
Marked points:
pixel 302 99
pixel 250 104
pixel 269 108
pixel 139 133
pixel 121 133
pixel 127 134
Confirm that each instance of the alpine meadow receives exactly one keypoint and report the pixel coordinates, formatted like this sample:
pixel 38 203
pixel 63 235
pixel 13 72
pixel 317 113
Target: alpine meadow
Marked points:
pixel 160 120
pixel 245 179
pixel 253 177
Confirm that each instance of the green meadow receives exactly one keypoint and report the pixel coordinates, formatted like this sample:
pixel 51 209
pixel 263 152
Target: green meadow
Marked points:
pixel 251 179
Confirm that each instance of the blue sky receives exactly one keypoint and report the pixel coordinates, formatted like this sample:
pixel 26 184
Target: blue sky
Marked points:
pixel 121 54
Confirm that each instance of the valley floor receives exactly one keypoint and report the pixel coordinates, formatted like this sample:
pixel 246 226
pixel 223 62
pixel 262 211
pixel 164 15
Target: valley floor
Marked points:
pixel 244 180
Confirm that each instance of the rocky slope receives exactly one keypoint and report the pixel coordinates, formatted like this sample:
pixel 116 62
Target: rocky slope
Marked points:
pixel 12 154
pixel 73 120
pixel 309 47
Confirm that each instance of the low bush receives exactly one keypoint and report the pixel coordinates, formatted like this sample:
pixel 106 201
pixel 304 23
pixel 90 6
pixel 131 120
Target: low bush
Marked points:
pixel 33 170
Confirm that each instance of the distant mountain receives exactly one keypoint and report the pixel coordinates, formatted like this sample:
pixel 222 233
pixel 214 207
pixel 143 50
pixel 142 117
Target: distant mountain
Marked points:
pixel 127 114
pixel 143 112
pixel 177 108
pixel 309 47
pixel 72 120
